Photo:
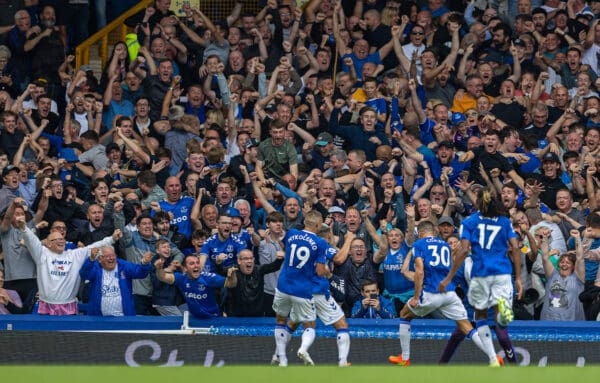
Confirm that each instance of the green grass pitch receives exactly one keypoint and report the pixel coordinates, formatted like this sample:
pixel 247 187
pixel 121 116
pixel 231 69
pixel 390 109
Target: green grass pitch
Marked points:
pixel 297 374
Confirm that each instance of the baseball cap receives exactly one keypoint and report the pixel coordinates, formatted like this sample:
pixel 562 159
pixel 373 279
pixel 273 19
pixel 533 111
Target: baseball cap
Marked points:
pixel 457 118
pixel 324 139
pixel 68 154
pixel 336 209
pixel 251 143
pixel 550 157
pixel 232 212
pixel 85 68
pixel 9 169
pixel 519 42
pixel 445 219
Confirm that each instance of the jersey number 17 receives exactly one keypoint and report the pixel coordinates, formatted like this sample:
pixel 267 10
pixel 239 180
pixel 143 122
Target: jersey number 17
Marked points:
pixel 487 234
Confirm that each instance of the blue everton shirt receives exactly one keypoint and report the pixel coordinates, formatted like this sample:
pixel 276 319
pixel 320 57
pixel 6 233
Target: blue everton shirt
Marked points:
pixel 199 294
pixel 437 261
pixel 230 247
pixel 302 250
pixel 181 214
pixel 489 244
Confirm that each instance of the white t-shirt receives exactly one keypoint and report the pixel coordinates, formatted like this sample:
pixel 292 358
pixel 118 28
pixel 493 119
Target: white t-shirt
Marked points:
pixel 112 304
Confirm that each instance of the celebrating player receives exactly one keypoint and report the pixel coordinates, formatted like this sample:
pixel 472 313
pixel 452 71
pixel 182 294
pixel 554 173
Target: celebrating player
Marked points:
pixel 304 251
pixel 488 234
pixel 432 263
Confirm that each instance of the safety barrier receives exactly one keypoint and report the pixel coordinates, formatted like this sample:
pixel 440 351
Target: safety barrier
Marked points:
pixel 164 341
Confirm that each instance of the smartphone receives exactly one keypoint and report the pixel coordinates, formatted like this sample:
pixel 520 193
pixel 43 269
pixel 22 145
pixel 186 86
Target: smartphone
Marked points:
pixel 374 296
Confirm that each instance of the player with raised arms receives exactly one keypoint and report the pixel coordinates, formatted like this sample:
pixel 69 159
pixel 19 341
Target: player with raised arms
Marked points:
pixel 489 235
pixel 433 260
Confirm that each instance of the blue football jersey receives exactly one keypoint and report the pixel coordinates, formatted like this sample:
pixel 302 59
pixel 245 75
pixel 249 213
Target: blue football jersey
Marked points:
pixel 181 214
pixel 321 284
pixel 199 294
pixel 395 282
pixel 230 247
pixel 302 250
pixel 489 239
pixel 437 262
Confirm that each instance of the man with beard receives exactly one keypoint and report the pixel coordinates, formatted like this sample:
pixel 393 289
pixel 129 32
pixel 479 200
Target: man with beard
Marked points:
pixel 219 252
pixel 499 49
pixel 510 197
pixel 247 298
pixel 197 286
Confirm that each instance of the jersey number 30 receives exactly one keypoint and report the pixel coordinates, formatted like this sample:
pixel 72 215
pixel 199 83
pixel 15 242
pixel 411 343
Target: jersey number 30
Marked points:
pixel 439 254
pixel 484 229
pixel 302 254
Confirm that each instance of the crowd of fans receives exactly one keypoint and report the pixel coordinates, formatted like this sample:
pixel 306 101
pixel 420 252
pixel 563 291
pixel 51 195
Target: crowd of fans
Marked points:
pixel 214 137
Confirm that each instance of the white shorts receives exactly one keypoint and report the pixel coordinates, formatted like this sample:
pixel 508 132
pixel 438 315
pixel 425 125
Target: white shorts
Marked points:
pixel 485 291
pixel 300 310
pixel 328 310
pixel 447 304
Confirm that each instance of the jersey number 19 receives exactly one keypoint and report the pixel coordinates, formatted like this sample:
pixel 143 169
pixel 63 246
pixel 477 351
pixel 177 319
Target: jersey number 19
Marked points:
pixel 302 254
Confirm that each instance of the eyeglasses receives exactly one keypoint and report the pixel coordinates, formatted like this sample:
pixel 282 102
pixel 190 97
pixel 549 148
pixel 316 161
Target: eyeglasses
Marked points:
pixel 417 33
